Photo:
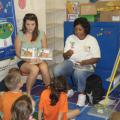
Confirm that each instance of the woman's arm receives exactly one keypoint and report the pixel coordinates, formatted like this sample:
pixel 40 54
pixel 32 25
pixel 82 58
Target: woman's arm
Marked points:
pixel 17 46
pixel 68 54
pixel 44 41
pixel 89 61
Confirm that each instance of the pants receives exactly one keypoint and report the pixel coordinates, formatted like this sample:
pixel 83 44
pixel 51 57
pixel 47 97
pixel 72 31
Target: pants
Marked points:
pixel 79 76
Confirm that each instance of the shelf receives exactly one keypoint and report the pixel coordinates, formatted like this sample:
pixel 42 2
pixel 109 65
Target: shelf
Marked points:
pixel 48 11
pixel 52 25
pixel 55 17
pixel 52 39
pixel 56 32
pixel 55 37
pixel 57 52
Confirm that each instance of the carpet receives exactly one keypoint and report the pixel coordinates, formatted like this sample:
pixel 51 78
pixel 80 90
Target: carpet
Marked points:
pixel 39 87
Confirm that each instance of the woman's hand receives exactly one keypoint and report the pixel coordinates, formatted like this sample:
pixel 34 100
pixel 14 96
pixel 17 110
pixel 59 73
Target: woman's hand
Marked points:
pixel 79 63
pixel 33 60
pixel 68 54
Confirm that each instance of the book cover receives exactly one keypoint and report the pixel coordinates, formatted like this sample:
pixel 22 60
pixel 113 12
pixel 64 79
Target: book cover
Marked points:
pixel 83 67
pixel 31 53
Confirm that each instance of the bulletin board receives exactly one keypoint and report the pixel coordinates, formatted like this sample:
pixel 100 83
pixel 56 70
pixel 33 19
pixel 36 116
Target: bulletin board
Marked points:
pixel 7 29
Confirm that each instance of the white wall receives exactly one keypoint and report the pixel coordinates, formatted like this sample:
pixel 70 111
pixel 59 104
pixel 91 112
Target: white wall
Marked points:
pixel 34 6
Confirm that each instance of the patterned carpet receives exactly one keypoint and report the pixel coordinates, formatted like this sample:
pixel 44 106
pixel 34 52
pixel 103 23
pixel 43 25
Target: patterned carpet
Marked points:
pixel 39 87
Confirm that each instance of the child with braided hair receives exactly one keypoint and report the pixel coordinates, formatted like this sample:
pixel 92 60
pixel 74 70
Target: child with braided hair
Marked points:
pixel 53 103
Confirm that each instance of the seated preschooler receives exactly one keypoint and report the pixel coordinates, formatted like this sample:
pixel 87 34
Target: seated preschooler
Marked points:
pixel 22 108
pixel 2 83
pixel 13 83
pixel 54 102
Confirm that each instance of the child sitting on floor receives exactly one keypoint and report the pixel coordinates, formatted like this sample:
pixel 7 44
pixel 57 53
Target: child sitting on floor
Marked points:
pixel 54 102
pixel 2 83
pixel 22 108
pixel 13 83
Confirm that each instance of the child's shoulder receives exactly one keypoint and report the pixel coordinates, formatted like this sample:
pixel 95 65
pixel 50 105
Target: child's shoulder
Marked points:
pixel 64 93
pixel 1 93
pixel 46 92
pixel 12 93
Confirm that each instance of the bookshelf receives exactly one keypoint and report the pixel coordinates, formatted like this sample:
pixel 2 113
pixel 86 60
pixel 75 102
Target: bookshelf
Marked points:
pixel 55 17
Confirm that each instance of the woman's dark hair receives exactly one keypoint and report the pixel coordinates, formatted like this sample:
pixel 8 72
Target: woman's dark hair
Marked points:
pixel 32 17
pixel 58 85
pixel 22 108
pixel 84 23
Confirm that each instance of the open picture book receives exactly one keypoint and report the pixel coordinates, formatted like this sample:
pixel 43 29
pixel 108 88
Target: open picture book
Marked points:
pixel 83 67
pixel 31 53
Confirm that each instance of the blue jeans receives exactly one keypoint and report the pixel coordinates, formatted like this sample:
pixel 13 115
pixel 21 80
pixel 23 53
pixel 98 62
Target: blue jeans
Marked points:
pixel 79 76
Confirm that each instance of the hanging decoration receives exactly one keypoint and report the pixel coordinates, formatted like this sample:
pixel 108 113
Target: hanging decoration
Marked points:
pixel 8 29
pixel 5 34
pixel 22 3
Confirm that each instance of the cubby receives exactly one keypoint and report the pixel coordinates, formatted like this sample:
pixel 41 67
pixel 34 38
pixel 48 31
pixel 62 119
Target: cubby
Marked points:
pixel 55 17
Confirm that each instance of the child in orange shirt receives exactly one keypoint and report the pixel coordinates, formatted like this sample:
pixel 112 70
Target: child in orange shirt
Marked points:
pixel 54 102
pixel 13 83
pixel 22 108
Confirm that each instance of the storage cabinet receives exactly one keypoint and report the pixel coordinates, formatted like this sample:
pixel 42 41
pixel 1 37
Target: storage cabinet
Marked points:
pixel 55 17
pixel 108 36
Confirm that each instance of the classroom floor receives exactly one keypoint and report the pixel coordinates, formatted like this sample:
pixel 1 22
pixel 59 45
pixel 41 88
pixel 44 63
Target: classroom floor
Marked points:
pixel 38 87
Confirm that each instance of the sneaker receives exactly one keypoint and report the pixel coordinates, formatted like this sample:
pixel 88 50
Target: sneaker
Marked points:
pixel 81 100
pixel 70 93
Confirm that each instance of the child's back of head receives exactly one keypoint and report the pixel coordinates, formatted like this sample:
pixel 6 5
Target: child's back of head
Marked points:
pixel 12 80
pixel 58 85
pixel 14 70
pixel 22 108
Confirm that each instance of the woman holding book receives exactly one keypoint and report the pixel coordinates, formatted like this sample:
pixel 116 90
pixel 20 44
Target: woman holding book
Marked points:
pixel 53 104
pixel 81 53
pixel 27 38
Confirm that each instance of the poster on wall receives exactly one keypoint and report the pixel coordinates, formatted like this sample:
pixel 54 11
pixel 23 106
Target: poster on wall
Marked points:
pixel 7 29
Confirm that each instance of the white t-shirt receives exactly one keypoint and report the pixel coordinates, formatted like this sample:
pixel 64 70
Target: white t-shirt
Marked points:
pixel 83 49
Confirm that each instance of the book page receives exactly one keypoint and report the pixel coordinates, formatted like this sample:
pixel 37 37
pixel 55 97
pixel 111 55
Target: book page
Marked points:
pixel 29 53
pixel 38 54
pixel 83 67
pixel 45 54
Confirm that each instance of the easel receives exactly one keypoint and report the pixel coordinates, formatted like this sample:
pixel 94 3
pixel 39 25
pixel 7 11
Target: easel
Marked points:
pixel 102 110
pixel 117 62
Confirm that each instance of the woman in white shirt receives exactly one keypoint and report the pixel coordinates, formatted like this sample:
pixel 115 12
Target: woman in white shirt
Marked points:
pixel 81 53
